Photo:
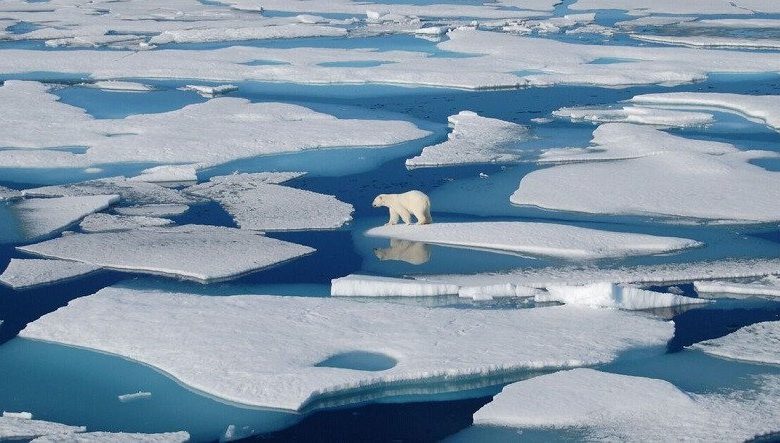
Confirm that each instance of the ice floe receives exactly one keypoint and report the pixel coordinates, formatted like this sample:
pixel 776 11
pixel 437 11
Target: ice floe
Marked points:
pixel 197 252
pixel 140 395
pixel 767 286
pixel 203 35
pixel 612 407
pixel 758 343
pixel 27 273
pixel 638 115
pixel 211 91
pixel 155 210
pixel 110 222
pixel 765 108
pixel 371 286
pixel 39 217
pixel 183 136
pixel 117 437
pixel 611 295
pixel 14 427
pixel 168 174
pixel 474 139
pixel 130 191
pixel 660 174
pixel 544 239
pixel 700 41
pixel 256 202
pixel 278 364
pixel 691 7
pixel 9 194
pixel 117 85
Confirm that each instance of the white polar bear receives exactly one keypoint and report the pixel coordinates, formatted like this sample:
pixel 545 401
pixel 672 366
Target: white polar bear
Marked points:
pixel 405 205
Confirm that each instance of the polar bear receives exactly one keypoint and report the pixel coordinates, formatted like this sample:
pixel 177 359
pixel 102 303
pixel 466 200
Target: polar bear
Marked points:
pixel 405 205
pixel 413 252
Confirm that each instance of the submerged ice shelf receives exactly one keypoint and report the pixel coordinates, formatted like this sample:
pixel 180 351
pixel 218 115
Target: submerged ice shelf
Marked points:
pixel 277 365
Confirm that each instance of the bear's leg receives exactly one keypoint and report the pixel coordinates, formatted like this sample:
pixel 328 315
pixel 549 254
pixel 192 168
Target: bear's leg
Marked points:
pixel 405 216
pixel 423 217
pixel 393 217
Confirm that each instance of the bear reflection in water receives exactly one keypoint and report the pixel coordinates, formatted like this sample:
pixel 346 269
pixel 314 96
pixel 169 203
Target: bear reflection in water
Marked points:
pixel 413 252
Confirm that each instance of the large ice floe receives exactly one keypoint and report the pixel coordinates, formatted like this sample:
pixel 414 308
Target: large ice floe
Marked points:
pixel 758 343
pixel 700 41
pixel 27 273
pixel 183 136
pixel 611 295
pixel 767 286
pixel 196 252
pixel 655 173
pixel 259 202
pixel 765 108
pixel 21 426
pixel 372 286
pixel 474 139
pixel 543 239
pixel 612 407
pixel 40 217
pixel 300 358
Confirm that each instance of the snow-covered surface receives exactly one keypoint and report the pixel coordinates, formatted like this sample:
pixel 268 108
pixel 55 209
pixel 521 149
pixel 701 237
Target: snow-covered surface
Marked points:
pixel 611 295
pixel 658 174
pixel 765 108
pixel 700 41
pixel 758 343
pixel 211 91
pixel 371 286
pixel 614 407
pixel 38 122
pixel 474 139
pixel 636 114
pixel 168 173
pixel 545 239
pixel 110 222
pixel 694 7
pixel 197 252
pixel 136 192
pixel 579 275
pixel 256 202
pixel 202 35
pixel 155 210
pixel 116 437
pixel 489 292
pixel 768 286
pixel 25 273
pixel 276 365
pixel 117 85
pixel 9 194
pixel 21 428
pixel 39 217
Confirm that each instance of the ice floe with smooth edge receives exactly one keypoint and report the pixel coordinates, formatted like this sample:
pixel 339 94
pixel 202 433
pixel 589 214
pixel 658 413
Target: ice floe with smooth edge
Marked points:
pixel 118 85
pixel 582 275
pixel 474 139
pixel 27 273
pixel 758 343
pixel 277 365
pixel 130 191
pixel 23 427
pixel 196 252
pixel 39 217
pixel 661 175
pixel 153 210
pixel 110 222
pixel 355 285
pixel 613 407
pixel 765 108
pixel 183 136
pixel 611 295
pixel 168 174
pixel 767 286
pixel 638 115
pixel 543 239
pixel 255 202
pixel 116 437
pixel 701 41
pixel 691 7
pixel 9 194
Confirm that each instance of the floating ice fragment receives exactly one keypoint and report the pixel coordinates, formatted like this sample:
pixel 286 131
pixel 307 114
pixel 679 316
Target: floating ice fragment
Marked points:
pixel 24 415
pixel 27 273
pixel 39 217
pixel 211 91
pixel 140 395
pixel 611 295
pixel 24 428
pixel 110 222
pixel 636 114
pixel 767 286
pixel 758 343
pixel 131 191
pixel 116 85
pixel 371 286
pixel 156 210
pixel 184 336
pixel 168 174
pixel 544 239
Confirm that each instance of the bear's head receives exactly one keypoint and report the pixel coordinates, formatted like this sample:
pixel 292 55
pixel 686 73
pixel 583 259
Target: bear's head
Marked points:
pixel 379 201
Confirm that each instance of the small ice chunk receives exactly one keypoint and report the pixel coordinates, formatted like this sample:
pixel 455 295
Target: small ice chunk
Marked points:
pixel 197 252
pixel 256 203
pixel 167 174
pixel 39 217
pixel 24 415
pixel 758 343
pixel 27 273
pixel 140 395
pixel 7 194
pixel 767 286
pixel 211 91
pixel 156 210
pixel 474 139
pixel 110 222
pixel 116 85
pixel 611 295
pixel 544 239
pixel 371 286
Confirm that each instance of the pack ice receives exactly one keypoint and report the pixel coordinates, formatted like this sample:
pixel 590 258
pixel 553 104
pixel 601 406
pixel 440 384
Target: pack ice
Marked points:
pixel 27 273
pixel 197 252
pixel 284 363
pixel 757 343
pixel 544 239
pixel 612 407
pixel 259 202
pixel 40 217
pixel 474 139
pixel 658 174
